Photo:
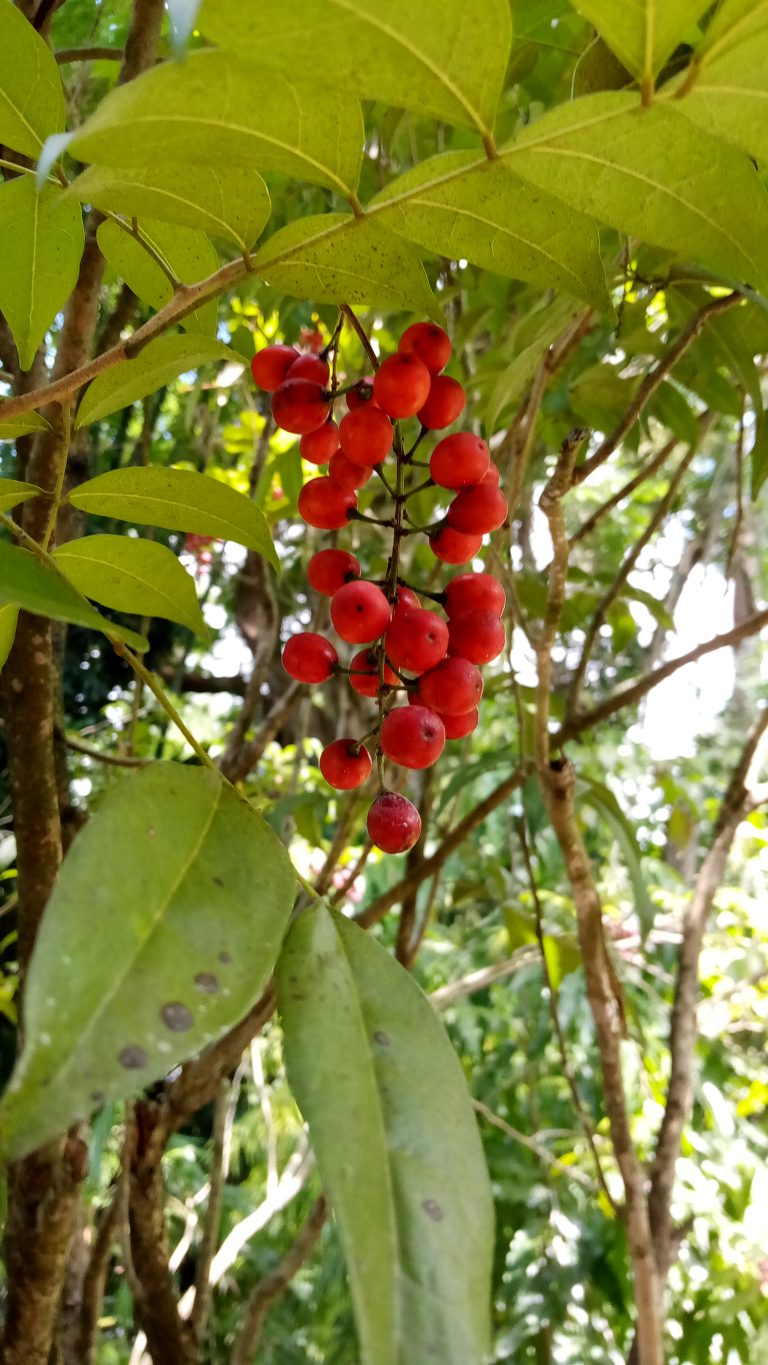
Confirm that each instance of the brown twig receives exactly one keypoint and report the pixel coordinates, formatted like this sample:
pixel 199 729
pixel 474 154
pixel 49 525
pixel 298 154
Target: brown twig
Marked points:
pixel 89 54
pixel 273 1285
pixel 362 335
pixel 198 1319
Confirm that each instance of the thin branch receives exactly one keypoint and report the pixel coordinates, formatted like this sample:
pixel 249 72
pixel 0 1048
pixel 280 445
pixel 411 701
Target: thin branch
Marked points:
pixel 538 1148
pixel 645 472
pixel 275 1284
pixel 89 54
pixel 362 335
pixel 210 1238
pixel 237 766
pixel 80 746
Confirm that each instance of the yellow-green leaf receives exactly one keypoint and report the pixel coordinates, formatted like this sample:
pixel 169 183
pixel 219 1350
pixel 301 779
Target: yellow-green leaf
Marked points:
pixel 31 97
pixel 9 616
pixel 162 360
pixel 24 425
pixel 730 94
pixel 132 575
pixel 42 236
pixel 642 33
pixel 187 252
pixel 15 491
pixel 26 582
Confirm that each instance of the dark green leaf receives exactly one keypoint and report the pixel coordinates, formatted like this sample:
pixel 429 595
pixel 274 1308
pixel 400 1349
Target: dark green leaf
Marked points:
pixel 176 895
pixel 42 235
pixel 26 582
pixel 163 359
pixel 132 575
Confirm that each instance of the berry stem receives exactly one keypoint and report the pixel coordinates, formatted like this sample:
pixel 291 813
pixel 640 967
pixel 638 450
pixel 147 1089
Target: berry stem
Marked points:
pixel 361 332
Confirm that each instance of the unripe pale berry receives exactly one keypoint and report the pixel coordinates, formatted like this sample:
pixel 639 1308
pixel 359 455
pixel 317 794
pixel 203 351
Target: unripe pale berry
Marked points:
pixel 270 367
pixel 452 688
pixel 319 445
pixel 309 657
pixel 474 592
pixel 360 612
pixel 477 636
pixel 412 736
pixel 477 511
pixel 416 639
pixel 298 406
pixel 345 764
pixel 394 824
pixel 322 503
pixel 453 547
pixel 366 435
pixel 329 570
pixel 361 395
pixel 429 342
pixel 364 673
pixel 347 474
pixel 445 403
pixel 456 727
pixel 401 386
pixel 310 367
pixel 459 460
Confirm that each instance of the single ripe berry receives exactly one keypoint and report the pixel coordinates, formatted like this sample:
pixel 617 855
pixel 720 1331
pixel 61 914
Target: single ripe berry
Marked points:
pixel 298 405
pixel 270 367
pixel 452 688
pixel 476 511
pixel 345 764
pixel 360 612
pixel 456 727
pixel 310 367
pixel 416 640
pixel 474 592
pixel 329 570
pixel 429 342
pixel 394 824
pixel 477 636
pixel 401 386
pixel 412 736
pixel 323 504
pixel 319 445
pixel 309 658
pixel 491 475
pixel 366 436
pixel 405 599
pixel 364 673
pixel 453 547
pixel 459 460
pixel 361 395
pixel 345 473
pixel 445 403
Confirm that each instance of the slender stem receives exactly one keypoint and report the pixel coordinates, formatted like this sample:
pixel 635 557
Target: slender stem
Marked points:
pixel 66 437
pixel 355 322
pixel 158 691
pixel 133 230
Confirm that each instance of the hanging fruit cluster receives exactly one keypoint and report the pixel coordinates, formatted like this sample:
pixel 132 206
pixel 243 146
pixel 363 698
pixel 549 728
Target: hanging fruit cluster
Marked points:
pixel 421 666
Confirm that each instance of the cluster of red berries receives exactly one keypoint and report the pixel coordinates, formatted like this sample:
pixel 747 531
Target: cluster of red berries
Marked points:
pixel 407 648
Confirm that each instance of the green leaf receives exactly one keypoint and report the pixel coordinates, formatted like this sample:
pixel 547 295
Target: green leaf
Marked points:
pixel 26 582
pixel 334 258
pixel 541 328
pixel 9 616
pixel 162 931
pixel 15 491
pixel 162 360
pixel 226 202
pixel 730 94
pixel 396 1143
pixel 31 97
pixel 488 215
pixel 186 251
pixel 669 407
pixel 440 57
pixel 759 456
pixel 24 425
pixel 649 172
pixel 216 110
pixel 176 500
pixel 602 799
pixel 132 575
pixel 42 235
pixel 658 610
pixel 642 33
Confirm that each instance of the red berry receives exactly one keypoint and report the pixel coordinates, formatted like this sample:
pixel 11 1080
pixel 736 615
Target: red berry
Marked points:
pixel 459 460
pixel 270 366
pixel 298 405
pixel 412 736
pixel 329 570
pixel 445 403
pixel 453 547
pixel 401 385
pixel 492 475
pixel 474 592
pixel 347 474
pixel 476 511
pixel 361 395
pixel 477 636
pixel 366 436
pixel 323 504
pixel 319 445
pixel 394 824
pixel 452 687
pixel 429 342
pixel 364 673
pixel 310 367
pixel 456 727
pixel 405 600
pixel 309 658
pixel 312 339
pixel 416 640
pixel 345 764
pixel 360 612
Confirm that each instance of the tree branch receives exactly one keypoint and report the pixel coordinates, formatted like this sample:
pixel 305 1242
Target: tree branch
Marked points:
pixel 273 1285
pixel 210 1239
